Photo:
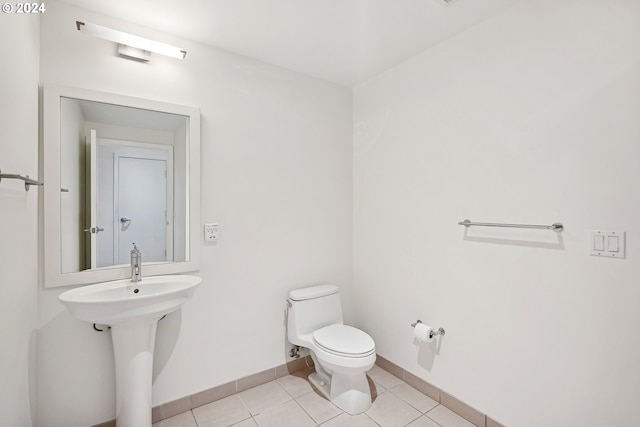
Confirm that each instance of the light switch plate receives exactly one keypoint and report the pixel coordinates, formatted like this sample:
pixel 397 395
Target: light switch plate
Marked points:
pixel 211 232
pixel 607 243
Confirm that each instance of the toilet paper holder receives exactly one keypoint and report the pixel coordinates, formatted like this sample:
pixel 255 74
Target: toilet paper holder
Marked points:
pixel 440 331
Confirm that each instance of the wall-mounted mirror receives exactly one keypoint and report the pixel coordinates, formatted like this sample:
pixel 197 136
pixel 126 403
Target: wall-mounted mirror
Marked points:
pixel 118 170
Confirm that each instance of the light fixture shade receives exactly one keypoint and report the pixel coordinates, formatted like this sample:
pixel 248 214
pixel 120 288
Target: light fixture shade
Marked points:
pixel 134 53
pixel 130 40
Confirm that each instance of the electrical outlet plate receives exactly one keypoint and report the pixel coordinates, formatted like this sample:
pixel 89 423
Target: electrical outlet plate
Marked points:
pixel 211 232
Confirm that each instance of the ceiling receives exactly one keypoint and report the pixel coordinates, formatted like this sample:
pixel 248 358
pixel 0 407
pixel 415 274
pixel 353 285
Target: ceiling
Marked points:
pixel 343 41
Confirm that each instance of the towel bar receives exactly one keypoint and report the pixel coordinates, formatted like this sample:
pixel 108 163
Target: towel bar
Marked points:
pixel 27 181
pixel 555 226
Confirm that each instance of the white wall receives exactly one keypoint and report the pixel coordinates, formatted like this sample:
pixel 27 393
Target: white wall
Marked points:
pixel 276 175
pixel 529 117
pixel 19 45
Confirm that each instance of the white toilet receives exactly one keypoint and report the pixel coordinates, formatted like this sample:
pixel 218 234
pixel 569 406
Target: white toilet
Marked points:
pixel 342 354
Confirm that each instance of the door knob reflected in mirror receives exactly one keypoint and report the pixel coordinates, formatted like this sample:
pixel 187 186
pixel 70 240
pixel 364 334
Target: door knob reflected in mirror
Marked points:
pixel 93 230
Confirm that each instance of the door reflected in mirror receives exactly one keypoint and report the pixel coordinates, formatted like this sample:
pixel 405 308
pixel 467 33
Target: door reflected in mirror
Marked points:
pixel 123 171
pixel 120 171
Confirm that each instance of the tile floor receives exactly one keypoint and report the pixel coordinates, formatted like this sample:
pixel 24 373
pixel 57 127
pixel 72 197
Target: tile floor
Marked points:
pixel 290 401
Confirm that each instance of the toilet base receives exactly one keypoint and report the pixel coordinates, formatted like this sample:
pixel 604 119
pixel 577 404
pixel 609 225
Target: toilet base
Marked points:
pixel 350 393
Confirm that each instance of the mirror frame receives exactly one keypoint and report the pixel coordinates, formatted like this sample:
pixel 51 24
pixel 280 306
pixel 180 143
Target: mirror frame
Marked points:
pixel 53 275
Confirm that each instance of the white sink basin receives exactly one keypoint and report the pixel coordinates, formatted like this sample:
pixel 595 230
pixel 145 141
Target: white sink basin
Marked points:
pixel 122 301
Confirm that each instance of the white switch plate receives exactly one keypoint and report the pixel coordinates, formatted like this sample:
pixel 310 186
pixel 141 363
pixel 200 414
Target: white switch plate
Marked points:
pixel 211 232
pixel 607 243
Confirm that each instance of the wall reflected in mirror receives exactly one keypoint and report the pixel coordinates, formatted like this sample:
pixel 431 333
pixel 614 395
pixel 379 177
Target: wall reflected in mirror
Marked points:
pixel 124 180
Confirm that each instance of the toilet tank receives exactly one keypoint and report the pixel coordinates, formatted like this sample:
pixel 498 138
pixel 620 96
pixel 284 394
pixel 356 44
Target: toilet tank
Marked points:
pixel 312 308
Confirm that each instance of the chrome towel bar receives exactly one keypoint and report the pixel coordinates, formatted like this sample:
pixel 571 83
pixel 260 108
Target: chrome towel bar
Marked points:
pixel 27 181
pixel 555 226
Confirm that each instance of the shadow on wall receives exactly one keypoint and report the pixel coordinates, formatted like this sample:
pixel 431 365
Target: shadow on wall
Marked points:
pixel 166 340
pixel 427 352
pixel 76 375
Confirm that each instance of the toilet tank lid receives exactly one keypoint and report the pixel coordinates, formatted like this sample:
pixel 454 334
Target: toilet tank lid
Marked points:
pixel 312 292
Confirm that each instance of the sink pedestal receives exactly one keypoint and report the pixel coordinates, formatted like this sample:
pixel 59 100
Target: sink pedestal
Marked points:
pixel 133 345
pixel 132 310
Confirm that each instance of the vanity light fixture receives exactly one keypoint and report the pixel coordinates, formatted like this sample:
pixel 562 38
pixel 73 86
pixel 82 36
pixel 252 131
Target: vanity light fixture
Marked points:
pixel 130 45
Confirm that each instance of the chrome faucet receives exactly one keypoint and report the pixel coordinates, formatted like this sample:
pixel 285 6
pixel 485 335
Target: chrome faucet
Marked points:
pixel 136 264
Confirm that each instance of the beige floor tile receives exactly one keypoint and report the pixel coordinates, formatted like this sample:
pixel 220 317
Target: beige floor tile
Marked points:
pixel 296 385
pixel 397 404
pixel 288 414
pixel 388 410
pixel 346 420
pixel 447 418
pixel 383 378
pixel 221 413
pixel 181 420
pixel 264 396
pixel 249 422
pixel 424 421
pixel 414 398
pixel 318 407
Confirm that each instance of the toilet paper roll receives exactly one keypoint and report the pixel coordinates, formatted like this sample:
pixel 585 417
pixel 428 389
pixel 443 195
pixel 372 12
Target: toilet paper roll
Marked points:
pixel 423 333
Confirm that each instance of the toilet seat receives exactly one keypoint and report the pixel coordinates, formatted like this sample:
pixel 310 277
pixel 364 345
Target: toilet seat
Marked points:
pixel 343 340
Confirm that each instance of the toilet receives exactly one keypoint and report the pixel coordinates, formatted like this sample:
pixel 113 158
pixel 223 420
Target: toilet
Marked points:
pixel 342 354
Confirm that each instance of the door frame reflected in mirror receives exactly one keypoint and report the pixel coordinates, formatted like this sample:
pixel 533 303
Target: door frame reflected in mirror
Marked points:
pixel 51 150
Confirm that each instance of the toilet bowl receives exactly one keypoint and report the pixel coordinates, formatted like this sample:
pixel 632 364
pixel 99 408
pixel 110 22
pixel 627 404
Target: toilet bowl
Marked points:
pixel 342 354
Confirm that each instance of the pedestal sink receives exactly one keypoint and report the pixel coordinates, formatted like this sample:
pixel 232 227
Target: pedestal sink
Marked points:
pixel 132 310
